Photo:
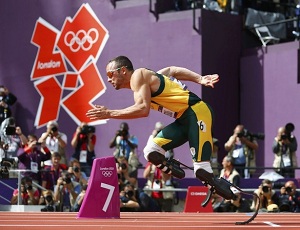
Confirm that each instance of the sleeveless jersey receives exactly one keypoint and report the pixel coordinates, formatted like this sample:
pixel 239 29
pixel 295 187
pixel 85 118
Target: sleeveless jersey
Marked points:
pixel 172 98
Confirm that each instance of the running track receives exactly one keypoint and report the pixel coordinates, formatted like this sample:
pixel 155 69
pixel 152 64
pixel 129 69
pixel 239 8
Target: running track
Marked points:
pixel 146 221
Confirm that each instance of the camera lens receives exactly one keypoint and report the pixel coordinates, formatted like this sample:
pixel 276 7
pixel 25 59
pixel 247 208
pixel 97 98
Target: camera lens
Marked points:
pixel 129 193
pixel 123 166
pixel 54 129
pixel 265 189
pixel 28 187
pixel 49 198
pixel 76 169
pixel 288 189
pixel 67 180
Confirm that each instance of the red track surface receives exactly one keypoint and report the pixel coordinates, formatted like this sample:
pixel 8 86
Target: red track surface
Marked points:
pixel 145 221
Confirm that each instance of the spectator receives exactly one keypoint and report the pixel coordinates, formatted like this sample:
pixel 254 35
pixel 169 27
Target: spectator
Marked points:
pixel 51 173
pixel 7 99
pixel 66 192
pixel 32 157
pixel 239 204
pixel 157 180
pixel 241 147
pixel 76 173
pixel 47 199
pixel 29 194
pixel 289 198
pixel 285 147
pixel 128 200
pixel 126 173
pixel 134 200
pixel 267 196
pixel 55 141
pixel 230 174
pixel 84 140
pixel 12 141
pixel 80 198
pixel 214 157
pixel 125 145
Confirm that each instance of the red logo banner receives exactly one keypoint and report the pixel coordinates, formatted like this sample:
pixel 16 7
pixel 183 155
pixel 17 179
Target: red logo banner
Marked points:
pixel 65 71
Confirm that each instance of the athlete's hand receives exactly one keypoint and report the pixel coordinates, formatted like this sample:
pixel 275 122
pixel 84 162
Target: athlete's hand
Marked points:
pixel 99 112
pixel 209 80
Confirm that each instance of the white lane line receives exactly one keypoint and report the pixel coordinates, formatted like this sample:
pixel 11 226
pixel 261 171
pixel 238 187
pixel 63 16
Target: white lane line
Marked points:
pixel 271 224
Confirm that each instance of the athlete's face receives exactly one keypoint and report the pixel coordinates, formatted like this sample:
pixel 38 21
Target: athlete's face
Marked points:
pixel 114 75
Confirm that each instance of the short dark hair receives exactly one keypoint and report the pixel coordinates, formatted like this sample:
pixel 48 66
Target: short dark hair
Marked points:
pixel 122 61
pixel 56 154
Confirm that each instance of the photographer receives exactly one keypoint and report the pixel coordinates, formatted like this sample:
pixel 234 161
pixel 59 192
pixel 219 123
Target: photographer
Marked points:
pixel 47 199
pixel 284 147
pixel 84 141
pixel 267 196
pixel 11 138
pixel 29 194
pixel 55 140
pixel 126 173
pixel 125 145
pixel 6 100
pixel 289 198
pixel 76 173
pixel 66 192
pixel 241 146
pixel 32 157
pixel 128 200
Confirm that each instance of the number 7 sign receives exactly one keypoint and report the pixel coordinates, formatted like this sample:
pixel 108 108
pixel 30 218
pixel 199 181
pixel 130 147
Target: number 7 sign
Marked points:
pixel 102 196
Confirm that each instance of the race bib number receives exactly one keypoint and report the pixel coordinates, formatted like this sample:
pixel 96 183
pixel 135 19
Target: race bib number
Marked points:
pixel 286 160
pixel 83 156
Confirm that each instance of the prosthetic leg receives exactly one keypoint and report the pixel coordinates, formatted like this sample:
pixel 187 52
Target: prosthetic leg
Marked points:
pixel 220 186
pixel 167 166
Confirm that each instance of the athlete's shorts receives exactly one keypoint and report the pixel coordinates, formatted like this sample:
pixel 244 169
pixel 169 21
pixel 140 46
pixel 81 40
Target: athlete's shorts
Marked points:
pixel 194 126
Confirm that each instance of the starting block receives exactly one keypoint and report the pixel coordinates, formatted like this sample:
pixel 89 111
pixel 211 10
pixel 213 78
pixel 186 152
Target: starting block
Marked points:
pixel 102 198
pixel 194 197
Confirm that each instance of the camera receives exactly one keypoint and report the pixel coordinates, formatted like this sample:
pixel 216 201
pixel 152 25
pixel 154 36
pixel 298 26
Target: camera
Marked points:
pixel 54 129
pixel 284 203
pixel 48 208
pixel 28 187
pixel 123 166
pixel 288 189
pixel 266 189
pixel 76 169
pixel 123 133
pixel 129 193
pixel 67 180
pixel 246 133
pixel 289 128
pixel 88 129
pixel 4 173
pixel 10 127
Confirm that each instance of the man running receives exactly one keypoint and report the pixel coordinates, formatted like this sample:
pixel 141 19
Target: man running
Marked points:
pixel 163 91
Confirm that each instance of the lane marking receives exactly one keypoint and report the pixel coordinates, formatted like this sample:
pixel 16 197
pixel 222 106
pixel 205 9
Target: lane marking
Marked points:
pixel 271 224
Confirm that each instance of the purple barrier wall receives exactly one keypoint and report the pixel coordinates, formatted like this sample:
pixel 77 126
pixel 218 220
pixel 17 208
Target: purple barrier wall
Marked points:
pixel 134 32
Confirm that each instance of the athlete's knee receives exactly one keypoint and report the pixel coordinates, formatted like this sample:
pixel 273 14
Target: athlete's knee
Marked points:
pixel 152 147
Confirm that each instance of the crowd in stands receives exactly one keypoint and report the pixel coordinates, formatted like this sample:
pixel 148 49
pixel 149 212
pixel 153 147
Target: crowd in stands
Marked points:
pixel 60 184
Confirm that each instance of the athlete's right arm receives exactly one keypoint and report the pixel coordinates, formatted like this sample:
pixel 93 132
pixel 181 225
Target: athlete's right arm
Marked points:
pixel 184 74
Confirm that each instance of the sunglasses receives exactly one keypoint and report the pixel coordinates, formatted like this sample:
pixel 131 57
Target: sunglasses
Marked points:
pixel 110 73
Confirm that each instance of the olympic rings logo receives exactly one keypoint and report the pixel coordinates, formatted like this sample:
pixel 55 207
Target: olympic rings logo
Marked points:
pixel 107 173
pixel 81 39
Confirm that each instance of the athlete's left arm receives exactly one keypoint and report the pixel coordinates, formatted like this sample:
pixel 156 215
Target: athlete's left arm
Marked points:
pixel 184 74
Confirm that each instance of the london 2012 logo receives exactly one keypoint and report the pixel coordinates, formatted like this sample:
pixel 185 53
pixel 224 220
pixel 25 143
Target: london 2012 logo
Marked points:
pixel 65 72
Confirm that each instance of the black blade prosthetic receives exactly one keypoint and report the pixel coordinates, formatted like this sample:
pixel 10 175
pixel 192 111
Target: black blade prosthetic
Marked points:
pixel 225 184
